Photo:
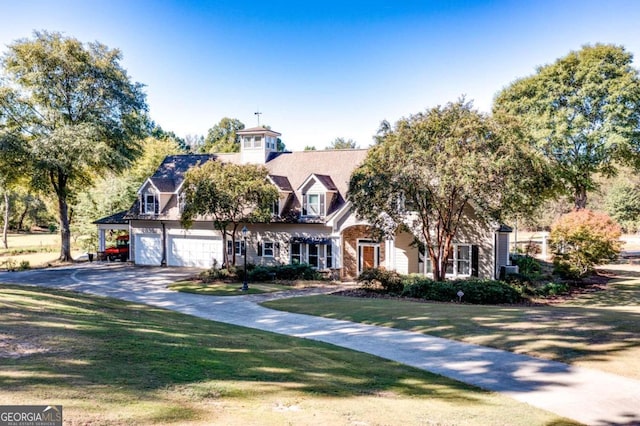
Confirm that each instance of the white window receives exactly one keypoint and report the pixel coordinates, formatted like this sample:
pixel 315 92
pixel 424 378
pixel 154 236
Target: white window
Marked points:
pixel 459 261
pixel 314 250
pixel 296 253
pixel 317 255
pixel 275 208
pixel 463 260
pixel 257 142
pixel 268 249
pixel 149 203
pixel 248 142
pixel 239 247
pixel 313 205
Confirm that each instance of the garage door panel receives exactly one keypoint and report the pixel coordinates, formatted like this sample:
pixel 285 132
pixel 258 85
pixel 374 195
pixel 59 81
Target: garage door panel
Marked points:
pixel 148 249
pixel 194 251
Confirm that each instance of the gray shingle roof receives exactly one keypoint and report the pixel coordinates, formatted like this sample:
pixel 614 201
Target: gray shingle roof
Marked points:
pixel 336 164
pixel 114 219
pixel 170 174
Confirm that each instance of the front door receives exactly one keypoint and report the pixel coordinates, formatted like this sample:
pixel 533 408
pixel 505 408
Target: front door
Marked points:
pixel 368 254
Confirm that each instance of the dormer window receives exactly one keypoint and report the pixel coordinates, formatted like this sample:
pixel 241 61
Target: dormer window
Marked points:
pixel 275 208
pixel 313 205
pixel 150 203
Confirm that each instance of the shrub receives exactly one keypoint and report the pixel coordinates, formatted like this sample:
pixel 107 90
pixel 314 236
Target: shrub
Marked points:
pixel 10 264
pixel 528 267
pixel 24 265
pixel 262 273
pixel 583 239
pixel 552 289
pixel 381 280
pixel 475 291
pixel 218 274
pixel 299 271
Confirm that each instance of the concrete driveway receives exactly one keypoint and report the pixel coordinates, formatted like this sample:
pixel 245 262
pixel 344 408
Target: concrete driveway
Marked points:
pixel 588 396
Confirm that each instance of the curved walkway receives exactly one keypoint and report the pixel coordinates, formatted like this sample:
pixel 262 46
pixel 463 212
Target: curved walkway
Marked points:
pixel 589 396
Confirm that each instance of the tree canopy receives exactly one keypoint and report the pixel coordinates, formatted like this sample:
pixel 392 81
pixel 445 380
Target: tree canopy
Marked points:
pixel 342 143
pixel 427 169
pixel 228 194
pixel 77 110
pixel 223 136
pixel 584 114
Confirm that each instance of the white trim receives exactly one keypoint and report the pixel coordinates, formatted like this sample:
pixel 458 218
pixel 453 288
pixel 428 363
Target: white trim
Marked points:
pixel 360 244
pixel 143 186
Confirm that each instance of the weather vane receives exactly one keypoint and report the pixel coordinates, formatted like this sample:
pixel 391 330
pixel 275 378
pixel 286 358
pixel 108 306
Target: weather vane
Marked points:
pixel 258 113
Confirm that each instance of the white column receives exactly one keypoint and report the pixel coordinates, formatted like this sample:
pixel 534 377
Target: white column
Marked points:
pixel 390 254
pixel 101 240
pixel 545 241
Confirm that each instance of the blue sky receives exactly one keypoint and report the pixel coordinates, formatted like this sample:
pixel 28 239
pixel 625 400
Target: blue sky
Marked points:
pixel 318 70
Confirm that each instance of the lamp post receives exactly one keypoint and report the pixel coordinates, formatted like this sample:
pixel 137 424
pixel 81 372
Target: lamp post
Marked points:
pixel 245 282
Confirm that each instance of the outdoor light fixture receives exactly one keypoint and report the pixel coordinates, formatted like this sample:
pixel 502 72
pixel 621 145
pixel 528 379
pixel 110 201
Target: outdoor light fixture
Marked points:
pixel 245 282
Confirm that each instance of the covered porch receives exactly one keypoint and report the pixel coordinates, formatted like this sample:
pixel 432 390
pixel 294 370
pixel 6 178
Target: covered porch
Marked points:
pixel 114 223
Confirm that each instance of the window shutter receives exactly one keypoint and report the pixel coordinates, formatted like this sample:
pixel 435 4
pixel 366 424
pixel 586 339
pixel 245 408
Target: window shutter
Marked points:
pixel 156 207
pixel 259 249
pixel 474 261
pixel 304 204
pixel 277 249
pixel 229 247
pixel 322 205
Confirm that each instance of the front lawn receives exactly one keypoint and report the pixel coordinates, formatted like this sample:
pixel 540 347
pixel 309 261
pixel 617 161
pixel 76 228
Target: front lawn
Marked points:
pixel 111 362
pixel 597 330
pixel 225 289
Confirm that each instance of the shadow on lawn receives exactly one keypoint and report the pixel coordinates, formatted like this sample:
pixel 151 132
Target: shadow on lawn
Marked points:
pixel 89 341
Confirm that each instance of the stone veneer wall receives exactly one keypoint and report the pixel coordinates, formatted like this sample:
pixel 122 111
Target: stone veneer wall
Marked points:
pixel 350 238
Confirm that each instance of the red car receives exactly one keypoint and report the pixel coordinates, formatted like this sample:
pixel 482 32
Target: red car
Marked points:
pixel 120 250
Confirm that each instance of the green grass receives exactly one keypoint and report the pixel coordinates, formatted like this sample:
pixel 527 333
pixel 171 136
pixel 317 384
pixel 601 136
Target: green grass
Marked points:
pixel 225 289
pixel 599 330
pixel 113 362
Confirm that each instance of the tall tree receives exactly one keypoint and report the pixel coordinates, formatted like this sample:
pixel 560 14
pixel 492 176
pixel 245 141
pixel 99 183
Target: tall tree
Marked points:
pixel 342 143
pixel 584 112
pixel 160 134
pixel 228 194
pixel 116 190
pixel 223 137
pixel 428 170
pixel 78 109
pixel 13 164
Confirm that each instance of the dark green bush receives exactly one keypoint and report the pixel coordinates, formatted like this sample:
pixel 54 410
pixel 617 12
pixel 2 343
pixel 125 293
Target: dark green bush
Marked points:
pixel 475 291
pixel 261 273
pixel 552 289
pixel 299 271
pixel 528 267
pixel 381 280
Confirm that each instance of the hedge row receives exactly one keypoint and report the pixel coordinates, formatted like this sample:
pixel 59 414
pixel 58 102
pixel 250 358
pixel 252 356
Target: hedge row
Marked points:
pixel 477 291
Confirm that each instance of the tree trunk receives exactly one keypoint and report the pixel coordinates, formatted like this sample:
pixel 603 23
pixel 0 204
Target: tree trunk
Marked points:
pixel 5 227
pixel 580 199
pixel 23 215
pixel 65 232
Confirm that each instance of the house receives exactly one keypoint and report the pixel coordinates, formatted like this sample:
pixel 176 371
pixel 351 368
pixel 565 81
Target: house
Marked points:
pixel 313 222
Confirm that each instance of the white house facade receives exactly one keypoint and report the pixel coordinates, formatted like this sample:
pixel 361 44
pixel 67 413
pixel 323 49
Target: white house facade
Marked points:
pixel 312 222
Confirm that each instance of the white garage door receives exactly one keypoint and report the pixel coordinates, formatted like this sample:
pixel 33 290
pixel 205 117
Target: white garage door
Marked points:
pixel 148 249
pixel 194 251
